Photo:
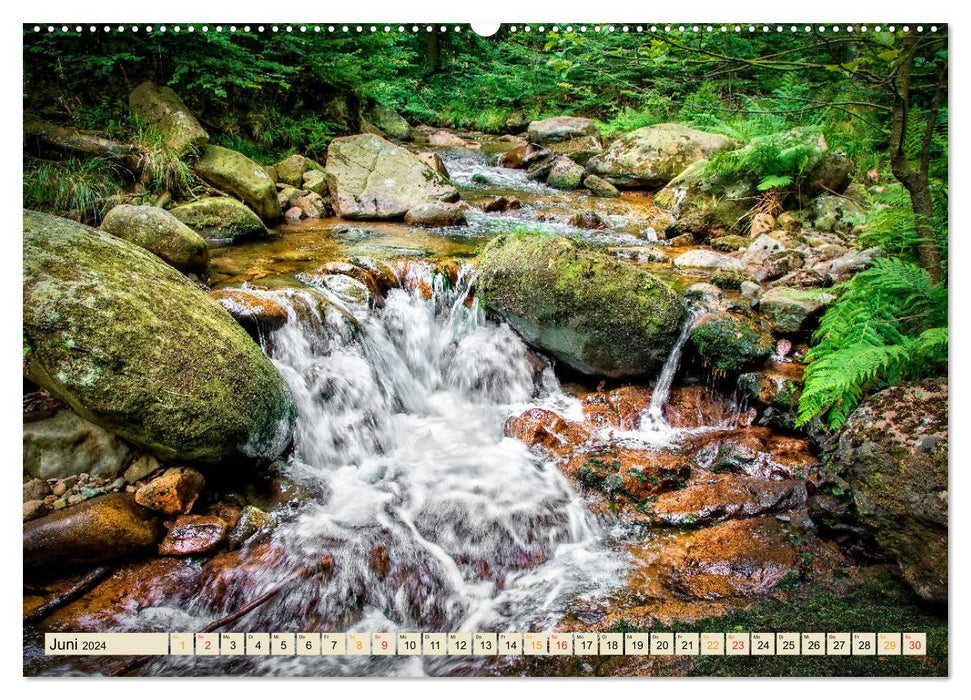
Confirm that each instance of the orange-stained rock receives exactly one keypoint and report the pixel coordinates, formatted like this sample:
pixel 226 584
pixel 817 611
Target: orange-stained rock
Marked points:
pixel 362 275
pixel 695 406
pixel 130 588
pixel 753 451
pixel 715 497
pixel 194 534
pixel 539 427
pixel 620 408
pixel 628 476
pixel 173 493
pixel 252 311
pixel 735 558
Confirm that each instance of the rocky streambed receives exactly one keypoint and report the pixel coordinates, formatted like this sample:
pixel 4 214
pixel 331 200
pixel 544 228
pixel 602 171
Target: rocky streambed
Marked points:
pixel 524 405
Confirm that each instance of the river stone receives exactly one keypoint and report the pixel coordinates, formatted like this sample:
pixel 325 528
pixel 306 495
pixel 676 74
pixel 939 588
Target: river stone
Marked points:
pixel 435 214
pixel 893 451
pixel 717 497
pixel 703 259
pixel 652 156
pixel 163 110
pixel 371 178
pixel 598 314
pixel 193 534
pixel 840 269
pixel 172 493
pixel 235 173
pixel 730 343
pixel 565 174
pixel 257 312
pixel 160 232
pixel 600 187
pixel 97 530
pixel 580 150
pixel 557 129
pixel 315 181
pixel 66 444
pixel 791 310
pixel 220 219
pixel 291 170
pixel 132 345
pixel 381 119
pixel 434 161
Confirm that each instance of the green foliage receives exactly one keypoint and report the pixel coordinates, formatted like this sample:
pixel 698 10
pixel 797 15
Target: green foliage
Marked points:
pixel 76 188
pixel 629 119
pixel 889 326
pixel 161 168
pixel 774 161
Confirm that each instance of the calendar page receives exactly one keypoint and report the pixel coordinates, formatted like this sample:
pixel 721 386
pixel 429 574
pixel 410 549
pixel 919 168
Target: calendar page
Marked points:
pixel 512 350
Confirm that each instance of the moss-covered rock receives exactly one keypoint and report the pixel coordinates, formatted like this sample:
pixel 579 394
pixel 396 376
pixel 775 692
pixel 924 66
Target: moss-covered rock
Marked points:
pixel 220 219
pixel 730 243
pixel 598 314
pixel 893 452
pixel 242 177
pixel 654 155
pixel 384 121
pixel 161 109
pixel 565 174
pixel 132 345
pixel 600 187
pixel 730 343
pixel 159 232
pixel 791 310
pixel 291 170
pixel 730 279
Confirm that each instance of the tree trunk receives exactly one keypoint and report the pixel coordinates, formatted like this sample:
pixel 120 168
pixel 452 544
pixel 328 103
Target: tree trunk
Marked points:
pixel 71 139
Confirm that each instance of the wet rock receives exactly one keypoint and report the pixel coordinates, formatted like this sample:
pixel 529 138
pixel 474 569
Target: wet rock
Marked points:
pixel 750 289
pixel 538 169
pixel 592 311
pixel 235 173
pixel 730 278
pixel 66 444
pixel 193 534
pixel 652 156
pixel 803 279
pixel 161 233
pixel 754 451
pixel 588 220
pixel 251 521
pixel 781 263
pixel 228 579
pixel 714 498
pixel 140 468
pixel 371 178
pixel 445 138
pixel 515 157
pixel 161 109
pixel 435 162
pixel 98 530
pixel 557 129
pixel 172 493
pixel 564 174
pixel 729 343
pixel 221 219
pixel 682 241
pixel 893 451
pixel 702 259
pixel 707 296
pixel 198 389
pixel 293 214
pixel 370 273
pixel 791 310
pixel 500 204
pixel 778 385
pixel 759 250
pixel 729 244
pixel 257 313
pixel 600 187
pixel 619 408
pixel 35 509
pixel 436 215
pixel 538 427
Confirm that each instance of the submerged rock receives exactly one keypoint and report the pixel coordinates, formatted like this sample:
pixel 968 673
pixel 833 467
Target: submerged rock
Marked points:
pixel 161 233
pixel 163 110
pixel 220 218
pixel 242 177
pixel 371 178
pixel 98 530
pixel 132 345
pixel 66 444
pixel 652 156
pixel 893 451
pixel 598 314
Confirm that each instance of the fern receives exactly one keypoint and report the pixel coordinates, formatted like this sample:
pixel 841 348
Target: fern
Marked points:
pixel 889 326
pixel 775 161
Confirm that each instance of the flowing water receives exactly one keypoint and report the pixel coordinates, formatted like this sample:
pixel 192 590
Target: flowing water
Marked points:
pixel 653 420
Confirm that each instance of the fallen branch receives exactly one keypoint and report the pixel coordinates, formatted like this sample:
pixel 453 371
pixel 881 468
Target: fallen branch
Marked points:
pixel 70 595
pixel 69 138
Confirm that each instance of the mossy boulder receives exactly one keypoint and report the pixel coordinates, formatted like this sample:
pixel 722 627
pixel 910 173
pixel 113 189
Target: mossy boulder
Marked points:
pixel 599 187
pixel 893 452
pixel 728 343
pixel 221 219
pixel 238 175
pixel 792 310
pixel 159 232
pixel 559 129
pixel 291 170
pixel 372 178
pixel 654 155
pixel 729 244
pixel 598 314
pixel 134 346
pixel 161 109
pixel 565 174
pixel 380 119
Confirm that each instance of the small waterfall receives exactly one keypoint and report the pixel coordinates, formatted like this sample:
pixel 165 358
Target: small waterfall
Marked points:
pixel 653 418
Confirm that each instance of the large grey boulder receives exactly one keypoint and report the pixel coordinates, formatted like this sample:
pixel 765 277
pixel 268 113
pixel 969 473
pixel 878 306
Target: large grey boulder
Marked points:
pixel 238 175
pixel 66 444
pixel 654 155
pixel 161 109
pixel 556 129
pixel 161 233
pixel 371 178
pixel 131 344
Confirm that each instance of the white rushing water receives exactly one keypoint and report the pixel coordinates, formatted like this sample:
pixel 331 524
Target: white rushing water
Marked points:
pixel 435 520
